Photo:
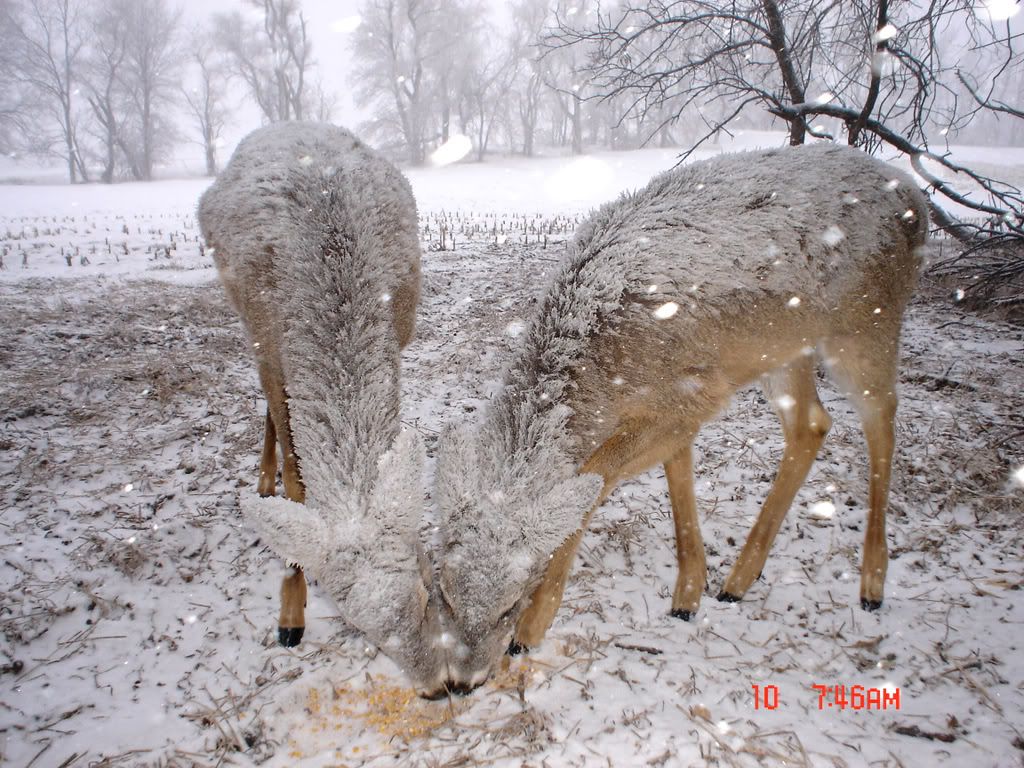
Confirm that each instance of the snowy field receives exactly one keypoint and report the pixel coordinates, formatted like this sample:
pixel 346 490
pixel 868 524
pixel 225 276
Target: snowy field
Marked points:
pixel 138 615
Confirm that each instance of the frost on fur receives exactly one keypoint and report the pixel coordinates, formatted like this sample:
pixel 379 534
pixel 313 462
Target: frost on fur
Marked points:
pixel 668 300
pixel 309 227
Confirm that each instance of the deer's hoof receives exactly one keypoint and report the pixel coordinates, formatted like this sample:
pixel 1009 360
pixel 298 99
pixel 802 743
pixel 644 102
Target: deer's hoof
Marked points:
pixel 870 605
pixel 728 597
pixel 681 613
pixel 289 637
pixel 514 648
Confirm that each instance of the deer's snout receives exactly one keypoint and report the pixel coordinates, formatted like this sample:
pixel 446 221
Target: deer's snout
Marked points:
pixel 452 687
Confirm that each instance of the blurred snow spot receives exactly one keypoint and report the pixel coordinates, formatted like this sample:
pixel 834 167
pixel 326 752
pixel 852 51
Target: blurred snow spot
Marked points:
pixel 888 32
pixel 850 199
pixel 909 215
pixel 346 24
pixel 583 178
pixel 823 510
pixel 305 161
pixel 453 150
pixel 666 310
pixel 794 302
pixel 192 619
pixel 824 98
pixel 1018 476
pixel 785 402
pixel 131 539
pixel 652 288
pixel 892 184
pixel 833 236
pixel 515 328
pixel 209 252
pixel 618 381
pixel 878 310
pixel 385 297
pixel 128 488
pixel 723 727
pixel 999 10
pixel 884 63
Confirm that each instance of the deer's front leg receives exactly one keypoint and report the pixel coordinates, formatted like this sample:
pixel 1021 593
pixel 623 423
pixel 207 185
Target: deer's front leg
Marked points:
pixel 693 572
pixel 546 599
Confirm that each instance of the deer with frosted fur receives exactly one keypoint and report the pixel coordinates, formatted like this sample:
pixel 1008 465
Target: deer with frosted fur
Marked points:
pixel 314 236
pixel 742 268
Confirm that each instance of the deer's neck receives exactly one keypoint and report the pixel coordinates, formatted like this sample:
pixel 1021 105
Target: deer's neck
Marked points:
pixel 341 368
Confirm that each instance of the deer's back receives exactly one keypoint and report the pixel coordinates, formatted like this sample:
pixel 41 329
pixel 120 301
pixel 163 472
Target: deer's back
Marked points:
pixel 719 271
pixel 290 191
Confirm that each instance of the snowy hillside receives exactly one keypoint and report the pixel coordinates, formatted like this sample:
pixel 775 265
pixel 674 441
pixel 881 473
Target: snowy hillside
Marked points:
pixel 138 616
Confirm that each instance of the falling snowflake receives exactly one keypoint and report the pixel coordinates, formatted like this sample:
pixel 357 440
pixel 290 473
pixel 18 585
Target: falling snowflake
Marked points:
pixel 785 402
pixel 666 310
pixel 128 488
pixel 833 236
pixel 1018 476
pixel 999 10
pixel 892 184
pixel 346 24
pixel 793 302
pixel 305 161
pixel 888 32
pixel 515 328
pixel 823 510
pixel 453 150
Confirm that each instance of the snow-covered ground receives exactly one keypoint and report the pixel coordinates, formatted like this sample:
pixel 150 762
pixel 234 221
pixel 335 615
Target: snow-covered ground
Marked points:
pixel 138 618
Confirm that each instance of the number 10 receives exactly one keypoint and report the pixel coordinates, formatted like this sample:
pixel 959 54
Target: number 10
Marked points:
pixel 769 699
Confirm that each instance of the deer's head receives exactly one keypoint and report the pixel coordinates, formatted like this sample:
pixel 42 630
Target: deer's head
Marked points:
pixel 501 520
pixel 366 554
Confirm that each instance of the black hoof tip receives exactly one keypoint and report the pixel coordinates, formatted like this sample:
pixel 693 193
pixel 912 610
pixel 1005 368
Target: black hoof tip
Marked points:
pixel 514 649
pixel 870 605
pixel 679 613
pixel 289 637
pixel 727 597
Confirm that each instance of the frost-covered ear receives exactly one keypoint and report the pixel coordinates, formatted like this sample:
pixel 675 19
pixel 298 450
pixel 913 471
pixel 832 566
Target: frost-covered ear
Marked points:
pixel 558 514
pixel 293 531
pixel 397 499
pixel 458 474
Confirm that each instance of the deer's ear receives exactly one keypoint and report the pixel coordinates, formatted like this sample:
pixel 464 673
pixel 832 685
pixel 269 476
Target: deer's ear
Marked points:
pixel 293 531
pixel 457 477
pixel 397 500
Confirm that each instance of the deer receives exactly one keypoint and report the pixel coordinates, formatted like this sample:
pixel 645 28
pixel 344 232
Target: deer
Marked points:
pixel 718 274
pixel 314 236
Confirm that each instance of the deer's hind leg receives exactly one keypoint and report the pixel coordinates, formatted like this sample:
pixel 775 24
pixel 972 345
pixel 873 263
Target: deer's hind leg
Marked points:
pixel 805 423
pixel 864 366
pixel 291 624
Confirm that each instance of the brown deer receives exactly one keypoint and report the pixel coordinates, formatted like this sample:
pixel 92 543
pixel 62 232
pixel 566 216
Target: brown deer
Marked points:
pixel 715 275
pixel 314 236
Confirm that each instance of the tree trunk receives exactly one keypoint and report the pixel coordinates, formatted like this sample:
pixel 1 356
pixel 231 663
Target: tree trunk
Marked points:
pixel 790 79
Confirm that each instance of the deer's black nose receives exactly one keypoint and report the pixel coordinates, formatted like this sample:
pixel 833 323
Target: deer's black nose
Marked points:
pixel 449 688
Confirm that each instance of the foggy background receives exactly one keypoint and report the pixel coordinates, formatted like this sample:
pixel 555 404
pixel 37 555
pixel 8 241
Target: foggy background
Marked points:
pixel 141 89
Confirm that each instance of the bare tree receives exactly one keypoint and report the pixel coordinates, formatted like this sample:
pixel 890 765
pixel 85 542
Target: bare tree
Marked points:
pixel 206 98
pixel 272 56
pixel 529 19
pixel 47 40
pixel 402 50
pixel 873 66
pixel 102 75
pixel 150 78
